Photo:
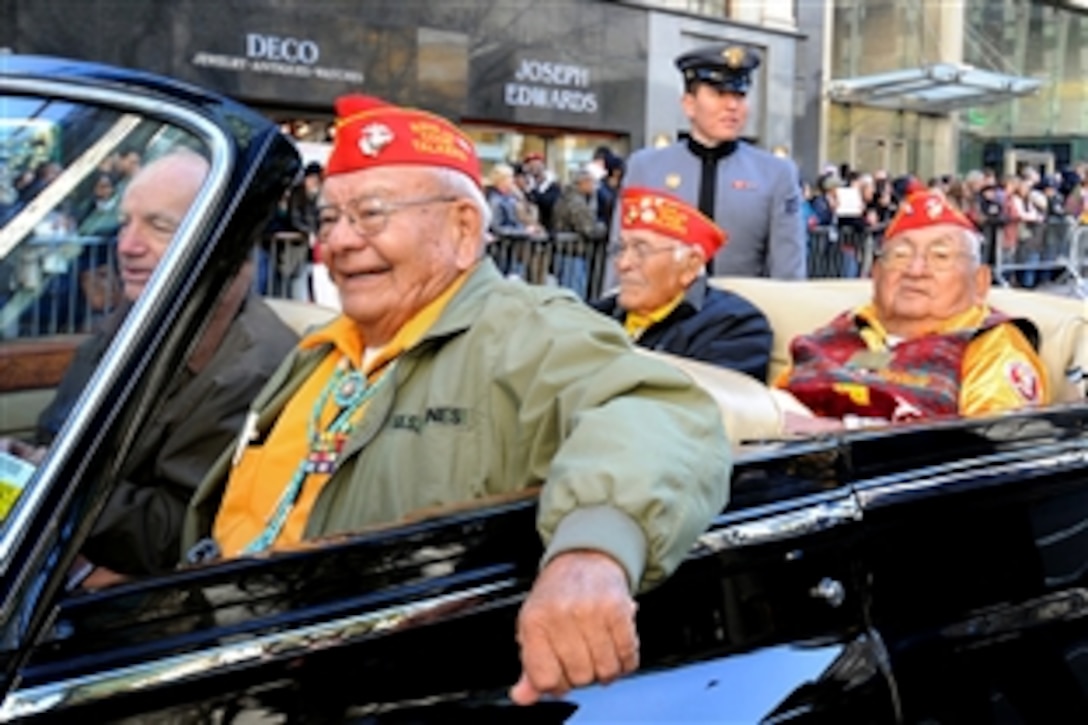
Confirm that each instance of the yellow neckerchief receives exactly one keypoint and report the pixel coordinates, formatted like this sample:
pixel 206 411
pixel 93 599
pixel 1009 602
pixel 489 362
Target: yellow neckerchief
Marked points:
pixel 259 478
pixel 875 336
pixel 635 324
pixel 344 335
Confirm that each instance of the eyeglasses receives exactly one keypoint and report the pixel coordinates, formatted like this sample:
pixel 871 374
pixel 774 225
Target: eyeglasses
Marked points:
pixel 937 258
pixel 368 216
pixel 641 250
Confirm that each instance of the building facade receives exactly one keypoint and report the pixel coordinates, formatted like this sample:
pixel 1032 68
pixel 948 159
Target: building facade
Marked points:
pixel 559 77
pixel 1019 40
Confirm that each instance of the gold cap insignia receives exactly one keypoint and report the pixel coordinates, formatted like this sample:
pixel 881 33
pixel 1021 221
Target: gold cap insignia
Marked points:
pixel 734 56
pixel 672 181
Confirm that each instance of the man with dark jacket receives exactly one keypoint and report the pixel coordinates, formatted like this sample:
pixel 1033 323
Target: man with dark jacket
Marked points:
pixel 139 529
pixel 664 301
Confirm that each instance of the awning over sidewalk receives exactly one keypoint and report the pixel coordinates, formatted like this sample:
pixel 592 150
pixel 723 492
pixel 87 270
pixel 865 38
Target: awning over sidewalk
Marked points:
pixel 938 88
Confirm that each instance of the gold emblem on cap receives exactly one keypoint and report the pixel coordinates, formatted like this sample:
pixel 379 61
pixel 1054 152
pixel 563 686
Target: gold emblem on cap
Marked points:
pixel 373 138
pixel 734 56
pixel 672 181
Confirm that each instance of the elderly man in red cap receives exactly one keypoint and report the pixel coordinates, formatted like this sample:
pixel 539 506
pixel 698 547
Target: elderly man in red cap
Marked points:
pixel 443 383
pixel 928 345
pixel 664 302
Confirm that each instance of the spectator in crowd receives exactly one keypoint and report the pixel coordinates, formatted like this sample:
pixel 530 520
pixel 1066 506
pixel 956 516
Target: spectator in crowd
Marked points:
pixel 285 247
pixel 615 168
pixel 664 302
pixel 1073 193
pixel 928 345
pixel 750 193
pixel 128 165
pixel 102 217
pixel 304 199
pixel 1022 218
pixel 501 192
pixel 629 455
pixel 578 211
pixel 825 200
pixel 543 189
pixel 139 530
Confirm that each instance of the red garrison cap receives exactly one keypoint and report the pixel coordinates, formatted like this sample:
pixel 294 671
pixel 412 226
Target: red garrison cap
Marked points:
pixel 924 207
pixel 659 212
pixel 371 133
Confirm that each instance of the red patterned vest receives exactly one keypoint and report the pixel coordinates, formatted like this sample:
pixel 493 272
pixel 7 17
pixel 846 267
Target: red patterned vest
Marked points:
pixel 835 373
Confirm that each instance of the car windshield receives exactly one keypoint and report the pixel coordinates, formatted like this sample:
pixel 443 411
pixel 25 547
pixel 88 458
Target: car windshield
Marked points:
pixel 64 169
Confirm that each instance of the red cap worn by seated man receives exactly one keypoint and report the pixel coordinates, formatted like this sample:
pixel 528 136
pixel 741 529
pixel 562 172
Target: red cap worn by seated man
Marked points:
pixel 371 132
pixel 924 207
pixel 656 211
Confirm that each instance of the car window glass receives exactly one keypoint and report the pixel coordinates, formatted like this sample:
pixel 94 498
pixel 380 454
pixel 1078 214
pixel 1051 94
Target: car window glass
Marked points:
pixel 64 169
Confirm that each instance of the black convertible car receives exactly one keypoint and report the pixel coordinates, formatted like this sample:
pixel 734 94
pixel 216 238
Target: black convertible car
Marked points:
pixel 922 574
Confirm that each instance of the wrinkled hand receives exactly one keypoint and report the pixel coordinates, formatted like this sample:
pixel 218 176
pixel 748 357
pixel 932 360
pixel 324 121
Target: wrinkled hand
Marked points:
pixel 576 627
pixel 26 451
pixel 99 577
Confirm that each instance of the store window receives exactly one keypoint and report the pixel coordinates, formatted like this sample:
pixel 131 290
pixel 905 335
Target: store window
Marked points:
pixel 563 152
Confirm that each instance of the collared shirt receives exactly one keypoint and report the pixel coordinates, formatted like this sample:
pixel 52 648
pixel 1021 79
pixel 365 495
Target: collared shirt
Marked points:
pixel 263 472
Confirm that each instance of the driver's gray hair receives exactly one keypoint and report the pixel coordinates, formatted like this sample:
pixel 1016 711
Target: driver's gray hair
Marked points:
pixel 461 186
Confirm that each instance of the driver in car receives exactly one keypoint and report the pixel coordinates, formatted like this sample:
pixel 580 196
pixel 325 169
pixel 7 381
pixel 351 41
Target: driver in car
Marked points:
pixel 139 529
pixel 443 383
pixel 927 345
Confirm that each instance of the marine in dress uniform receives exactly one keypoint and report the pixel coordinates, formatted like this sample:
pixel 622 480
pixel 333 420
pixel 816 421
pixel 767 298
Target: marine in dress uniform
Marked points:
pixel 752 194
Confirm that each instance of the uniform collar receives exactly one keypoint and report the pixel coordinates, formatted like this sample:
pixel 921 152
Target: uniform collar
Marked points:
pixel 712 153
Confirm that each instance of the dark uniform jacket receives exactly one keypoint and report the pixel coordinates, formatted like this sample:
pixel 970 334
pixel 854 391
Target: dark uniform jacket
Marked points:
pixel 757 202
pixel 139 529
pixel 712 325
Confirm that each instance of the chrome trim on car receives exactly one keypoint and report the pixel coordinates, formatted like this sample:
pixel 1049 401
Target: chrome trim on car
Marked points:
pixel 776 527
pixel 101 685
pixel 1035 462
pixel 221 157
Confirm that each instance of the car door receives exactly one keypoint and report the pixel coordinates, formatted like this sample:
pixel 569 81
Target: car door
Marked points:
pixel 70 119
pixel 975 549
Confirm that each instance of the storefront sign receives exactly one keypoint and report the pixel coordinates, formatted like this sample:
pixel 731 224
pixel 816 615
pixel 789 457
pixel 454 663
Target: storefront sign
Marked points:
pixel 278 55
pixel 551 86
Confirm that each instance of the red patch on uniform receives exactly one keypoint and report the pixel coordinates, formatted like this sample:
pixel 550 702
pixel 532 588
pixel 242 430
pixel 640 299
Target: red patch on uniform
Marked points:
pixel 743 185
pixel 1024 380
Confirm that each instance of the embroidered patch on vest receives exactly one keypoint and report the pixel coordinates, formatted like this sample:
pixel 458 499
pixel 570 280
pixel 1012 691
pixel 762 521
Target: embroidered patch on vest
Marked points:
pixel 1024 380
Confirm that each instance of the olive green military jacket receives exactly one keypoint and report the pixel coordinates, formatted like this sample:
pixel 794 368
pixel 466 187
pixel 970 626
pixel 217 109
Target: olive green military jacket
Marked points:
pixel 516 387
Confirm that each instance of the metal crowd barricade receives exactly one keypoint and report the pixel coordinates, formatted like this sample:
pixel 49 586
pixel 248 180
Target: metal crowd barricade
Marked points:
pixel 565 259
pixel 283 264
pixel 59 285
pixel 1043 253
pixel 845 252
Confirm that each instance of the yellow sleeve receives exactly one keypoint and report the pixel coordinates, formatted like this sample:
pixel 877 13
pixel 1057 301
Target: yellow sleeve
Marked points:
pixel 1001 371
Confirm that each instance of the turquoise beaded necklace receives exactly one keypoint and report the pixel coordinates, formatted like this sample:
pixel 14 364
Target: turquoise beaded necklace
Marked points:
pixel 349 390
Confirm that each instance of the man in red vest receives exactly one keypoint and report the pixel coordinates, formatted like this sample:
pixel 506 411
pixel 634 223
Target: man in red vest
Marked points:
pixel 927 345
